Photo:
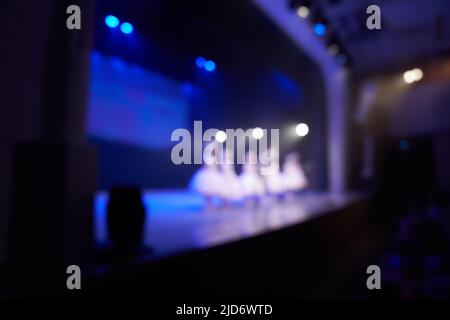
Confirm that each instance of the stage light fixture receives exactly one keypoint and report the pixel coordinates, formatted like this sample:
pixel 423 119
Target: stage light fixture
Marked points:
pixel 126 28
pixel 112 21
pixel 221 136
pixel 333 44
pixel 320 29
pixel 418 74
pixel 409 77
pixel 210 66
pixel 200 62
pixel 302 129
pixel 257 133
pixel 333 49
pixel 413 75
pixel 319 22
pixel 303 11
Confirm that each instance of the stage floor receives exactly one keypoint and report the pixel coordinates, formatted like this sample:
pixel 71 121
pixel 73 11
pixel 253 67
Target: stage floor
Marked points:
pixel 177 220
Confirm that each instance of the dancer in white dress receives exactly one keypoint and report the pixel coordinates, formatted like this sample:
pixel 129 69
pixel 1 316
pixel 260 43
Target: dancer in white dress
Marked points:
pixel 252 184
pixel 294 178
pixel 274 180
pixel 209 180
pixel 232 188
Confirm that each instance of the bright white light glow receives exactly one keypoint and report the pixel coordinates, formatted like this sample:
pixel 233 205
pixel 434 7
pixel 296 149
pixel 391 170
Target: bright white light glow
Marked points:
pixel 409 77
pixel 418 74
pixel 413 75
pixel 258 133
pixel 302 129
pixel 303 11
pixel 221 136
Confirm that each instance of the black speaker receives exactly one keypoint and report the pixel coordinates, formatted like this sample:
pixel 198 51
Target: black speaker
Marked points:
pixel 126 216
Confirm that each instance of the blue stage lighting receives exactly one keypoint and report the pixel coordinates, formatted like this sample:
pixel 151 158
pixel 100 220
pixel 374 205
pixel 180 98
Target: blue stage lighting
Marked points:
pixel 126 28
pixel 112 21
pixel 200 62
pixel 210 65
pixel 320 29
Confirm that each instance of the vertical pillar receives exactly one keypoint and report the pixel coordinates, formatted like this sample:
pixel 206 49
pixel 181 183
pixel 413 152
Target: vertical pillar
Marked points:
pixel 335 79
pixel 337 108
pixel 53 176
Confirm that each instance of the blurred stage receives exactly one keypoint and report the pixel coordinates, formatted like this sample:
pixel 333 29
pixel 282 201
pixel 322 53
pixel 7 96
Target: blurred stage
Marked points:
pixel 177 220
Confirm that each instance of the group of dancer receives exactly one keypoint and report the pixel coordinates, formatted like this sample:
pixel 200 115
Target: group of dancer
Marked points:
pixel 220 183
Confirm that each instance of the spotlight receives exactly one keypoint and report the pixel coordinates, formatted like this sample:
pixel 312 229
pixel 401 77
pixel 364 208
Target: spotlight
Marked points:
pixel 126 28
pixel 333 49
pixel 319 23
pixel 409 77
pixel 302 129
pixel 200 62
pixel 320 29
pixel 112 21
pixel 257 133
pixel 333 44
pixel 413 75
pixel 221 136
pixel 210 65
pixel 303 11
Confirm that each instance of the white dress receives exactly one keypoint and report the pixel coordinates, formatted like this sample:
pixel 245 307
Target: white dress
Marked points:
pixel 208 181
pixel 274 181
pixel 252 184
pixel 294 178
pixel 231 189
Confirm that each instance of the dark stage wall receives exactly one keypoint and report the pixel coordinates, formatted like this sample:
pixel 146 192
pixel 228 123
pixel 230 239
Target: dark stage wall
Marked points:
pixel 134 165
pixel 411 125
